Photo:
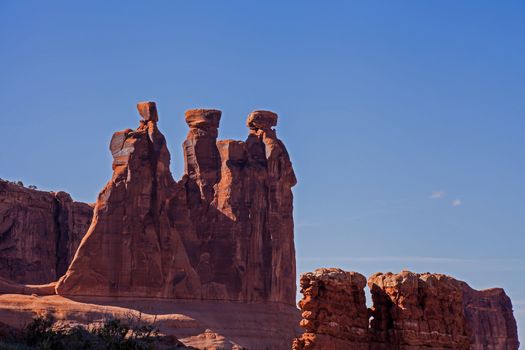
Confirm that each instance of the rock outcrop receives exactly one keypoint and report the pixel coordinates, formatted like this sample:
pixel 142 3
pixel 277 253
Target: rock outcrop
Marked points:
pixel 132 247
pixel 240 199
pixel 335 315
pixel 223 232
pixel 39 233
pixel 213 256
pixel 410 311
pixel 490 319
pixel 199 324
pixel 10 287
pixel 418 311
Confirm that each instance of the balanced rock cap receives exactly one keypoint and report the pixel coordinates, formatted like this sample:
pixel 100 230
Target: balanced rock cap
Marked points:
pixel 261 120
pixel 203 118
pixel 148 111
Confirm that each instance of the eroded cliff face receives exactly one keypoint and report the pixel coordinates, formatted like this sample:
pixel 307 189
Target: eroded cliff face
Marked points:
pixel 334 311
pixel 132 248
pixel 410 311
pixel 417 310
pixel 239 195
pixel 490 319
pixel 39 233
pixel 223 232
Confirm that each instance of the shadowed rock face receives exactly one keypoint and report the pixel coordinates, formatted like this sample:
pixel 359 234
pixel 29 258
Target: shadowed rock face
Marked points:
pixel 410 311
pixel 490 319
pixel 225 231
pixel 39 233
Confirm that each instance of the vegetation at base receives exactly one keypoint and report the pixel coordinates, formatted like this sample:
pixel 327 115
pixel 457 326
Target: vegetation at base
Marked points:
pixel 112 334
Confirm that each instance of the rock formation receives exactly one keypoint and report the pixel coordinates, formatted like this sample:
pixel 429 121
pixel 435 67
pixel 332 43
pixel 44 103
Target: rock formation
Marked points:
pixel 223 232
pixel 201 324
pixel 239 195
pixel 132 247
pixel 410 311
pixel 213 256
pixel 490 319
pixel 39 233
pixel 334 311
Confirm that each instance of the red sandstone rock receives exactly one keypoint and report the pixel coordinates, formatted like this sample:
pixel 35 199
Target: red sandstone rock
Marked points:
pixel 240 199
pixel 148 111
pixel 201 324
pixel 132 247
pixel 261 120
pixel 39 233
pixel 439 311
pixel 224 232
pixel 490 319
pixel 410 311
pixel 203 119
pixel 201 157
pixel 334 311
pixel 270 198
pixel 10 287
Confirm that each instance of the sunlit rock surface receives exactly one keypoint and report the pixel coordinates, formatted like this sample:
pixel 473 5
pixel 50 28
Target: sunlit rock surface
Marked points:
pixel 410 311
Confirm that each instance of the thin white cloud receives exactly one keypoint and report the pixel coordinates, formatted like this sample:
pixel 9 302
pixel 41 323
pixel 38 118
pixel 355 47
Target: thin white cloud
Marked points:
pixel 437 195
pixel 456 202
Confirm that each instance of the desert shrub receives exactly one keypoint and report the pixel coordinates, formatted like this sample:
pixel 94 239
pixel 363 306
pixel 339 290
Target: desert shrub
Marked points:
pixel 112 334
pixel 40 334
pixel 119 335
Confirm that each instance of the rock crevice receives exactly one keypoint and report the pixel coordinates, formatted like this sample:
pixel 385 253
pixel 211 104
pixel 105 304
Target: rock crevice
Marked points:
pixel 410 311
pixel 223 232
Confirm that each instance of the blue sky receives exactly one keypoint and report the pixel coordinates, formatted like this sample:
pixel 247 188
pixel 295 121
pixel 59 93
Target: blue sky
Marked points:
pixel 405 120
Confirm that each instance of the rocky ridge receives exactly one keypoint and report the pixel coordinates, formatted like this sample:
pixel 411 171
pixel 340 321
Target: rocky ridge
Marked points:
pixel 410 311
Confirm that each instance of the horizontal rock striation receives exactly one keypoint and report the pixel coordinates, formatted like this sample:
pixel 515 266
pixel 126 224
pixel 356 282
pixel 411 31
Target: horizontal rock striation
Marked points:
pixel 334 314
pixel 417 311
pixel 490 319
pixel 39 233
pixel 199 324
pixel 410 311
pixel 213 255
pixel 223 232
